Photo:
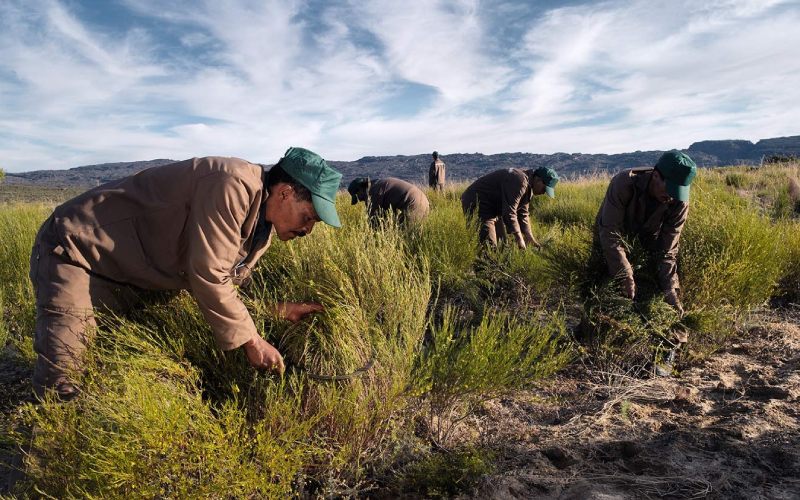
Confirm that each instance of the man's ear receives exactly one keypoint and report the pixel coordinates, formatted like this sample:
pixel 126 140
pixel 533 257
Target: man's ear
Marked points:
pixel 285 191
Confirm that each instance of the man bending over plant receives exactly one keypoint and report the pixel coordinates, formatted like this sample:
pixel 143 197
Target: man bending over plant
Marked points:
pixel 501 201
pixel 650 204
pixel 198 225
pixel 390 196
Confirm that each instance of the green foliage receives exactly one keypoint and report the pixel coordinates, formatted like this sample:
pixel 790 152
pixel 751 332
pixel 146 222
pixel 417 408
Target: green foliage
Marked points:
pixel 567 255
pixel 463 365
pixel 142 429
pixel 376 298
pixel 575 204
pixel 445 475
pixel 736 179
pixel 12 194
pixel 730 255
pixel 164 413
pixel 772 188
pixel 448 242
pixel 18 226
pixel 789 284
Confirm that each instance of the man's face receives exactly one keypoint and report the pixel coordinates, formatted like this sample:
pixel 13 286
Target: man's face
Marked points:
pixel 658 188
pixel 289 216
pixel 537 188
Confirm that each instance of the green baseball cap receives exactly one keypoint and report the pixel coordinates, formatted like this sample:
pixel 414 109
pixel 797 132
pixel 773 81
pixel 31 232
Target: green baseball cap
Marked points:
pixel 355 186
pixel 678 171
pixel 550 179
pixel 310 170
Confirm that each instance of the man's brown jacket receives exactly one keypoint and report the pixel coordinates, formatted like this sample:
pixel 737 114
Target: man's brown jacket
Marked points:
pixel 504 193
pixel 187 225
pixel 397 195
pixel 629 211
pixel 436 173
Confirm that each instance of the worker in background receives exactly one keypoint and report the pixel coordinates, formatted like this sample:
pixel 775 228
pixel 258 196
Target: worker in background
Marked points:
pixel 501 202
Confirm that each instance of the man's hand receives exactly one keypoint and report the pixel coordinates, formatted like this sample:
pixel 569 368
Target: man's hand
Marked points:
pixel 520 240
pixel 671 298
pixel 262 356
pixel 629 288
pixel 295 311
pixel 531 241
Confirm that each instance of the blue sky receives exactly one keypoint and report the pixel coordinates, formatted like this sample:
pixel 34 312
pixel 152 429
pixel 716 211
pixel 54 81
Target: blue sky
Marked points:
pixel 91 81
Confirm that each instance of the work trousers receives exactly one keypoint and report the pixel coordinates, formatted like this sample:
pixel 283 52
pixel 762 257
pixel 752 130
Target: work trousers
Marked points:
pixel 67 297
pixel 492 227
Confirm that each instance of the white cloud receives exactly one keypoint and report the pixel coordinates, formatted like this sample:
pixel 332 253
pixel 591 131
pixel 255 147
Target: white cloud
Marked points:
pixel 250 78
pixel 436 43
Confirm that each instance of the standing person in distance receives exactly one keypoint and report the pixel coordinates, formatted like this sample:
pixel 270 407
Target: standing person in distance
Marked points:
pixel 436 173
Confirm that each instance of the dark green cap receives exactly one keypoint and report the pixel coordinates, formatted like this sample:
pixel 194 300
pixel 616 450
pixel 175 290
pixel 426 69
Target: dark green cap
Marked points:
pixel 310 170
pixel 354 187
pixel 550 179
pixel 678 171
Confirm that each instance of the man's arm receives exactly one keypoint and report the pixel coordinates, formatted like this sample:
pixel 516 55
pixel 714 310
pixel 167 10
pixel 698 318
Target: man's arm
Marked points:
pixel 219 208
pixel 611 227
pixel 523 216
pixel 512 189
pixel 667 248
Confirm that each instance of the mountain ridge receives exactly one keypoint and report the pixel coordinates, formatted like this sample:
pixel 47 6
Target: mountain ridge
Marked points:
pixel 461 166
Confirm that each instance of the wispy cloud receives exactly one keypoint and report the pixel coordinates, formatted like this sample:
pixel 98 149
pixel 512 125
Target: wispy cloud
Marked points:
pixel 146 79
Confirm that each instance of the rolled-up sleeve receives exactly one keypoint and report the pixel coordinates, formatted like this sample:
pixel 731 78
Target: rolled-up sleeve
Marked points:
pixel 668 243
pixel 219 208
pixel 610 228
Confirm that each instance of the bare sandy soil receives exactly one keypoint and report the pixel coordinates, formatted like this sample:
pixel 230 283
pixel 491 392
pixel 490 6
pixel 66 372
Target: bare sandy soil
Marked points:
pixel 728 428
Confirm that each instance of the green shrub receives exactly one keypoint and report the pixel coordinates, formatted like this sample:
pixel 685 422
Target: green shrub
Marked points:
pixel 445 475
pixel 376 298
pixel 567 259
pixel 163 413
pixel 730 255
pixel 464 365
pixel 736 180
pixel 142 429
pixel 789 285
pixel 731 260
pixel 448 243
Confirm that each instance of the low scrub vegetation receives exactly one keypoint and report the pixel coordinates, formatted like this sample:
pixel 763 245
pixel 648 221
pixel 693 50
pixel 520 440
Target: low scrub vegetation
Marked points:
pixel 421 327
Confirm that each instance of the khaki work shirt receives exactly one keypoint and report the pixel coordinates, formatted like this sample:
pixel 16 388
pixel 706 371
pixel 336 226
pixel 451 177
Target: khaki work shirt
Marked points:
pixel 503 193
pixel 397 195
pixel 187 225
pixel 629 211
pixel 436 173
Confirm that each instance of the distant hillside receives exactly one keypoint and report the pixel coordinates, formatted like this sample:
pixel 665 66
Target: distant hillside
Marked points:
pixel 461 166
pixel 86 176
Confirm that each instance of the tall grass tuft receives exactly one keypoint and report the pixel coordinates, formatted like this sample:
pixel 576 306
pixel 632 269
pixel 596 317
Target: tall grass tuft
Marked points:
pixel 143 429
pixel 464 365
pixel 575 204
pixel 376 297
pixel 18 226
pixel 730 255
pixel 448 242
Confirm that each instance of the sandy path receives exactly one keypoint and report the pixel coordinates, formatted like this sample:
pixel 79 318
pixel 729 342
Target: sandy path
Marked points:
pixel 729 428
